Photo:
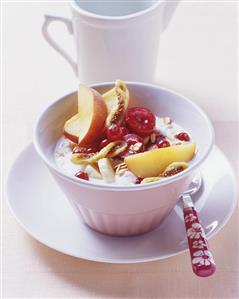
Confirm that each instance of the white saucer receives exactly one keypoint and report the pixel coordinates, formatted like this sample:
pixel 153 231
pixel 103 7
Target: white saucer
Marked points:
pixel 41 209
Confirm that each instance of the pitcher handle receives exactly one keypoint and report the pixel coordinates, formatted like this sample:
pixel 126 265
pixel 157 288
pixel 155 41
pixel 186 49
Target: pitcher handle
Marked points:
pixel 48 20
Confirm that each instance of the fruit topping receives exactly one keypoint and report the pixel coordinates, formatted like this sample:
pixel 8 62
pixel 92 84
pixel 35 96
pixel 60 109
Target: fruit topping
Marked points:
pixel 121 168
pixel 174 168
pixel 106 170
pixel 163 143
pixel 131 139
pixel 119 148
pixel 153 163
pixel 93 172
pixel 117 100
pixel 183 136
pixel 138 180
pixel 125 131
pixel 135 145
pixel 103 143
pixel 140 121
pixel 146 140
pixel 111 150
pixel 152 147
pixel 150 180
pixel 82 175
pixel 114 132
pixel 111 141
pixel 86 127
pixel 153 138
pixel 160 138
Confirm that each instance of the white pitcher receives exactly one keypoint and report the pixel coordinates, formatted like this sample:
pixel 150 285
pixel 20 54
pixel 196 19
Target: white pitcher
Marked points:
pixel 114 39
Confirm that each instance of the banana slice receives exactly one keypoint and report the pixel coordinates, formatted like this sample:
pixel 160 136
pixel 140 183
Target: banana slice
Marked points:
pixel 121 169
pixel 93 173
pixel 150 180
pixel 120 146
pixel 106 170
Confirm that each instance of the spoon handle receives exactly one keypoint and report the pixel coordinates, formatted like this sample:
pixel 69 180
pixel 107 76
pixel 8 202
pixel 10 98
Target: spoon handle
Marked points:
pixel 203 264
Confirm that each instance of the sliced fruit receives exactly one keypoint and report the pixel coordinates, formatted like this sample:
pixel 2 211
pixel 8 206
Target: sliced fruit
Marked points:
pixel 86 127
pixel 140 121
pixel 111 149
pixel 116 100
pixel 153 163
pixel 106 170
pixel 118 149
pixel 150 180
pixel 93 172
pixel 163 143
pixel 114 132
pixel 103 143
pixel 134 145
pixel 138 180
pixel 174 168
pixel 121 169
pixel 131 139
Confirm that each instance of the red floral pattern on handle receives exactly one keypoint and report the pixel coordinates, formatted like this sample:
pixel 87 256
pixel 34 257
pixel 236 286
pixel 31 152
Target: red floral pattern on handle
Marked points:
pixel 202 260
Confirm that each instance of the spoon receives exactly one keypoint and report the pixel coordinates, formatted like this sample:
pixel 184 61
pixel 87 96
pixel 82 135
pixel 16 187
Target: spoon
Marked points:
pixel 203 264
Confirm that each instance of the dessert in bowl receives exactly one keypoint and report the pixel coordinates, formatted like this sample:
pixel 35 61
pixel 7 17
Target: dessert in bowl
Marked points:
pixel 123 170
pixel 102 137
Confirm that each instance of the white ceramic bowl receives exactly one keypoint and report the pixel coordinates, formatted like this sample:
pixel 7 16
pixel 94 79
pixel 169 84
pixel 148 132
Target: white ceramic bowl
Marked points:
pixel 126 210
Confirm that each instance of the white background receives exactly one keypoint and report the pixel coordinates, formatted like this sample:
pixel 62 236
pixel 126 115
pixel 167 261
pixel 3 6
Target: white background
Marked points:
pixel 198 58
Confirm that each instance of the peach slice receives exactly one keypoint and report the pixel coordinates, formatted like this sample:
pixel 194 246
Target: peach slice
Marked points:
pixel 86 127
pixel 154 162
pixel 117 100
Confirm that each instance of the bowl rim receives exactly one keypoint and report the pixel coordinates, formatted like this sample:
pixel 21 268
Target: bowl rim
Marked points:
pixel 107 18
pixel 136 187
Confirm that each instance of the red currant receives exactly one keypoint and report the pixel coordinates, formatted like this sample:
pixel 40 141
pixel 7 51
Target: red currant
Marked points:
pixel 114 132
pixel 163 143
pixel 82 175
pixel 132 139
pixel 79 150
pixel 140 121
pixel 183 136
pixel 125 131
pixel 135 145
pixel 160 138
